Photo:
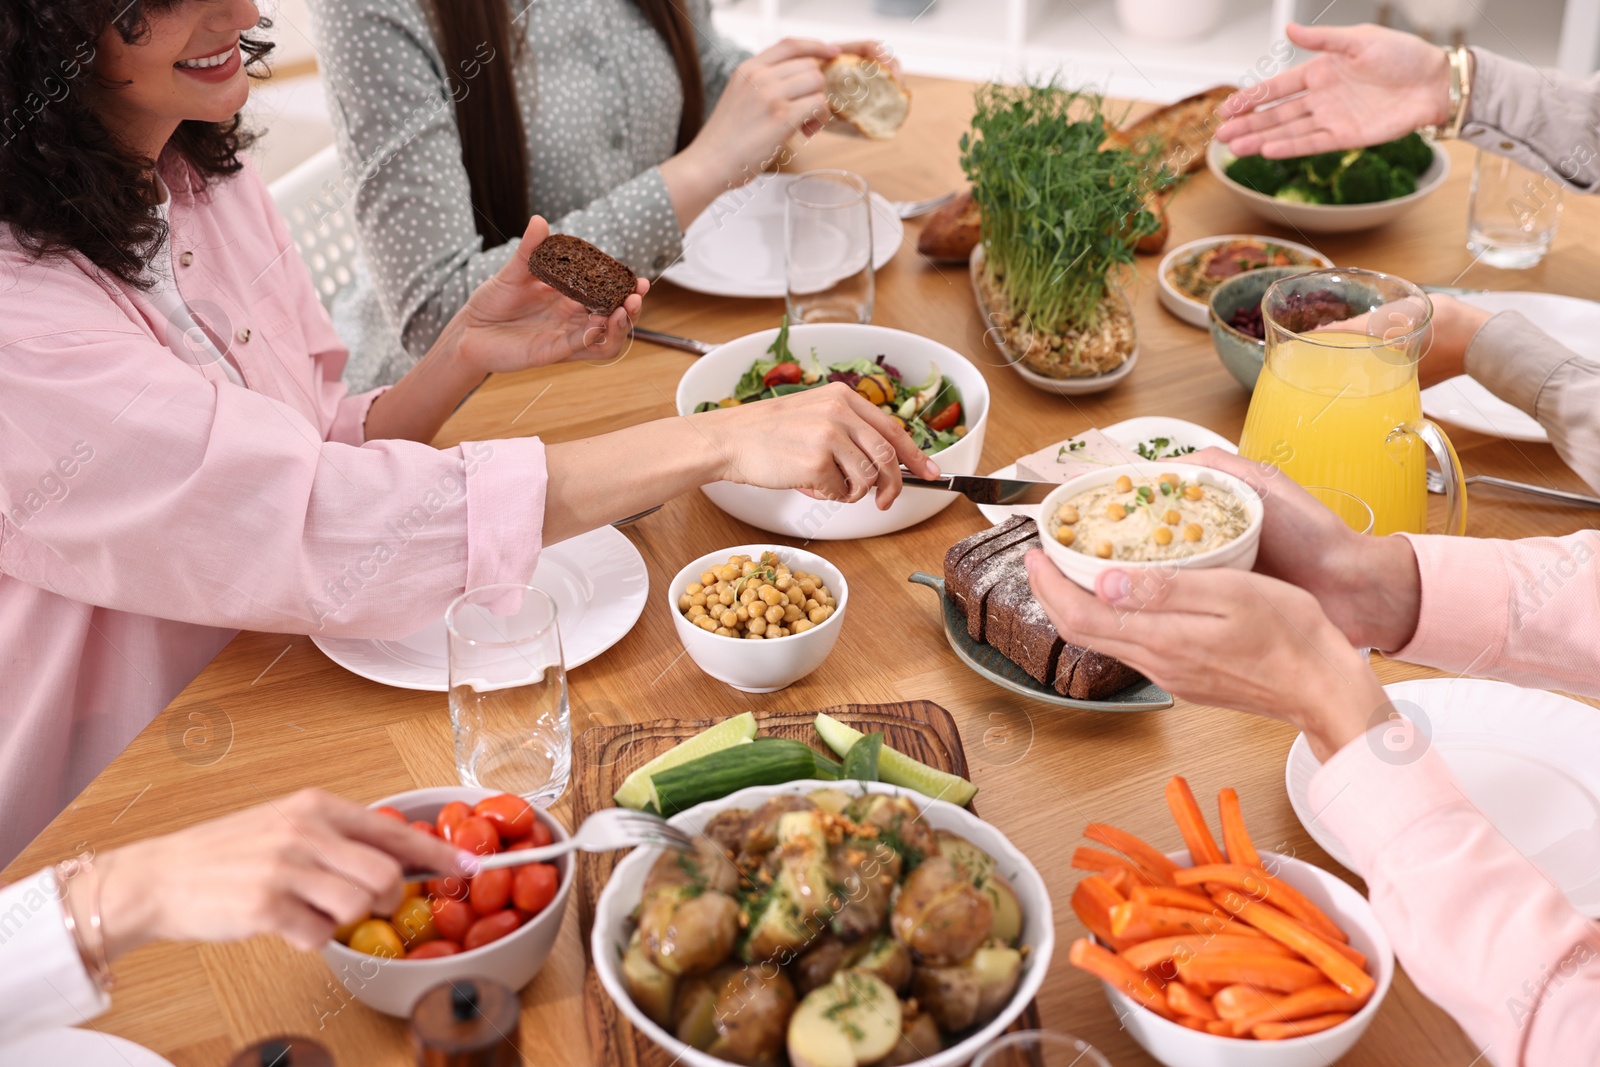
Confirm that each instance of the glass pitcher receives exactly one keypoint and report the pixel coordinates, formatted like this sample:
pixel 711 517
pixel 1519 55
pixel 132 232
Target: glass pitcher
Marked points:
pixel 1337 403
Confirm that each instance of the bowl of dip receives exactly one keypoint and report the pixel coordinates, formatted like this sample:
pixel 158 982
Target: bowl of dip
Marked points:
pixel 1150 516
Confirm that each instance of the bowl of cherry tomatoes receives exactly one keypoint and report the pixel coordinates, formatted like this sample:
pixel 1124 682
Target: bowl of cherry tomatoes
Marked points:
pixel 500 924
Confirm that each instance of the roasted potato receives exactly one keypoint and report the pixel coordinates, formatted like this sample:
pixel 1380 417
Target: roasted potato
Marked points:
pixel 650 987
pixel 853 1020
pixel 866 872
pixel 752 1014
pixel 919 1038
pixel 761 825
pixel 940 915
pixel 971 992
pixel 1007 911
pixel 726 829
pixel 706 866
pixel 832 801
pixel 898 821
pixel 821 960
pixel 695 1014
pixel 688 931
pixel 889 960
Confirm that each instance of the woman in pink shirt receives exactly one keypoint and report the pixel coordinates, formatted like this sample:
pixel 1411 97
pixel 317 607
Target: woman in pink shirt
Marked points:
pixel 1478 927
pixel 178 458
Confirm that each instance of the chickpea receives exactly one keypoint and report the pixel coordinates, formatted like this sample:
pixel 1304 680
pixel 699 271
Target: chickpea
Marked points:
pixel 747 594
pixel 811 603
pixel 742 613
pixel 1067 513
pixel 807 586
pixel 726 598
pixel 1124 484
pixel 684 603
pixel 1193 492
pixel 1163 535
pixel 757 625
pixel 817 615
pixel 1193 532
pixel 723 631
pixel 1103 549
pixel 791 613
pixel 747 568
pixel 696 611
pixel 1065 535
pixel 781 632
pixel 774 614
pixel 1171 479
pixel 785 582
pixel 730 619
pixel 751 635
pixel 1172 518
pixel 707 623
pixel 708 578
pixel 770 595
pixel 694 587
pixel 801 626
pixel 1116 512
pixel 698 600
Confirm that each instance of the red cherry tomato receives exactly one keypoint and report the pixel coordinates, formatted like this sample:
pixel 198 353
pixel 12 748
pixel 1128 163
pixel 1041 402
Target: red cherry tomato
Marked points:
pixel 535 887
pixel 510 815
pixel 452 918
pixel 426 827
pixel 433 950
pixel 540 834
pixel 491 891
pixel 476 834
pixel 449 815
pixel 447 888
pixel 393 813
pixel 490 928
pixel 782 374
pixel 946 417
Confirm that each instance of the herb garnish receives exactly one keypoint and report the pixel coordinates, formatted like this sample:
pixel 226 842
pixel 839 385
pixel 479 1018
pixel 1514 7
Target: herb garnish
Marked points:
pixel 1161 448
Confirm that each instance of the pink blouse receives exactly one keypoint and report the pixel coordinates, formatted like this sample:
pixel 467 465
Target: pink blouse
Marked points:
pixel 149 508
pixel 1478 928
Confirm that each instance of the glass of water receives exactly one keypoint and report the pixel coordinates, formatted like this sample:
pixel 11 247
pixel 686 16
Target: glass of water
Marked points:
pixel 1040 1048
pixel 828 247
pixel 508 692
pixel 1513 213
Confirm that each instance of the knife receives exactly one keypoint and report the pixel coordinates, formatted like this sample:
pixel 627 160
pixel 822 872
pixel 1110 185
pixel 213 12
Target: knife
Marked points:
pixel 686 344
pixel 981 490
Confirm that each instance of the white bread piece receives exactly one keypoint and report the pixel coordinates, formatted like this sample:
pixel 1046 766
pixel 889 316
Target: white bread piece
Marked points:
pixel 866 96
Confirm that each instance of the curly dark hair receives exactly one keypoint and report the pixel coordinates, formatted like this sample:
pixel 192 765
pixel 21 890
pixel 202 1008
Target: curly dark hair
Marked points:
pixel 66 183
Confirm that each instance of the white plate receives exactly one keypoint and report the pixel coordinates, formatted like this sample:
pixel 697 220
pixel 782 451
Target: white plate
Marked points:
pixel 79 1048
pixel 1463 402
pixel 1198 312
pixel 1528 759
pixel 598 581
pixel 1127 433
pixel 735 247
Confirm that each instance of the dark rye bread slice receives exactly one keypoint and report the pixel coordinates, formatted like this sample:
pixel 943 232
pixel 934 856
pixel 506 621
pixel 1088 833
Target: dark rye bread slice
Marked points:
pixel 1084 674
pixel 577 269
pixel 966 555
pixel 988 574
pixel 1016 625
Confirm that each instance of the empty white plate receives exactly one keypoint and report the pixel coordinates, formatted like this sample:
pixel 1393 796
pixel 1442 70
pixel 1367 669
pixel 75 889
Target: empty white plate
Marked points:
pixel 736 246
pixel 598 581
pixel 1529 760
pixel 79 1048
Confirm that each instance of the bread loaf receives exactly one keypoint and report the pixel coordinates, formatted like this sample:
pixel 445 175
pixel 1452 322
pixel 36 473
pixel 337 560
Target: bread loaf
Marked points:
pixel 951 233
pixel 863 92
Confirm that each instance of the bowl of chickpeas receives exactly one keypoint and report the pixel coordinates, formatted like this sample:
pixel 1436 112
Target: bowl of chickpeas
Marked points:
pixel 1150 517
pixel 758 617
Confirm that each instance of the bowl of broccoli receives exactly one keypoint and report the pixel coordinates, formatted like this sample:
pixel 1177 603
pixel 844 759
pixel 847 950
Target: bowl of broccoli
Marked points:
pixel 1334 192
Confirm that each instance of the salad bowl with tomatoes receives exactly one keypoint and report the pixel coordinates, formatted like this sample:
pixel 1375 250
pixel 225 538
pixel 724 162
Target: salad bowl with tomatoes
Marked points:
pixel 500 924
pixel 938 395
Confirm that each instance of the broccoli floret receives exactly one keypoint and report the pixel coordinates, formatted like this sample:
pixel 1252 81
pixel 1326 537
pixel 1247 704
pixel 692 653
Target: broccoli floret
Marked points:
pixel 1321 168
pixel 1410 153
pixel 1401 183
pixel 1363 180
pixel 1301 191
pixel 1264 175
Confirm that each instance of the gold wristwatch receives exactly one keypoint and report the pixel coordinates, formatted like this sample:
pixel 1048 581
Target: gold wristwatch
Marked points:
pixel 1461 69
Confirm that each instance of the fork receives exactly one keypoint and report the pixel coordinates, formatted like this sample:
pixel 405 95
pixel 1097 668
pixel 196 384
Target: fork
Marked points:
pixel 604 831
pixel 910 209
pixel 1436 485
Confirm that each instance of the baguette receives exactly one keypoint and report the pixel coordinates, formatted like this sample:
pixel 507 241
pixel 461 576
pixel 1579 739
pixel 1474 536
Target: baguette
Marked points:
pixel 952 232
pixel 1179 132
pixel 863 92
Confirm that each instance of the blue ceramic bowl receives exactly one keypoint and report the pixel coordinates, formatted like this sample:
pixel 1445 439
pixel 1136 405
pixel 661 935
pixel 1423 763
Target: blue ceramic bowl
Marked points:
pixel 1242 354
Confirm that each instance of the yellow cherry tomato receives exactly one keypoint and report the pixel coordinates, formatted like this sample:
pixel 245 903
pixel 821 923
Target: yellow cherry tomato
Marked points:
pixel 413 919
pixel 342 934
pixel 377 938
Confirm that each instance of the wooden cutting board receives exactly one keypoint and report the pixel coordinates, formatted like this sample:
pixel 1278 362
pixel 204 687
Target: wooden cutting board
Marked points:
pixel 919 728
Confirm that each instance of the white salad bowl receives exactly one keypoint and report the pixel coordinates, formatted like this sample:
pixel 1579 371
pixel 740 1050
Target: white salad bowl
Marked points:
pixel 613 923
pixel 1327 218
pixel 760 666
pixel 787 511
pixel 393 986
pixel 1178 1046
pixel 1240 553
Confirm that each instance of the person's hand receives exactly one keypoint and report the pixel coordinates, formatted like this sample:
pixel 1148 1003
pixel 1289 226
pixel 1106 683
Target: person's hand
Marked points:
pixel 876 51
pixel 514 321
pixel 1369 85
pixel 1369 587
pixel 298 866
pixel 1455 324
pixel 1222 637
pixel 769 98
pixel 827 442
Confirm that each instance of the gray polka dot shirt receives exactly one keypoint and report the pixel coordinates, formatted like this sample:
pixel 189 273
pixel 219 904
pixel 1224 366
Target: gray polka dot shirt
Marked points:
pixel 600 105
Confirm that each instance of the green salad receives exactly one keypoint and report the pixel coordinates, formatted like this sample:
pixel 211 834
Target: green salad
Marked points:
pixel 930 410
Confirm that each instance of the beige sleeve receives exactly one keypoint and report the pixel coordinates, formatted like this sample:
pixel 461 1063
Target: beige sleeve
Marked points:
pixel 1542 119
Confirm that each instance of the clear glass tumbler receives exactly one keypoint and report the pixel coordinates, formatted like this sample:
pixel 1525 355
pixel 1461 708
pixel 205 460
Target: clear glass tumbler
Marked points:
pixel 1349 507
pixel 828 247
pixel 508 692
pixel 1040 1048
pixel 1513 213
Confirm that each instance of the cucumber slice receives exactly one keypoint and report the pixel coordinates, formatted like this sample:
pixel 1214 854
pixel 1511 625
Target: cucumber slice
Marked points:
pixel 637 792
pixel 897 768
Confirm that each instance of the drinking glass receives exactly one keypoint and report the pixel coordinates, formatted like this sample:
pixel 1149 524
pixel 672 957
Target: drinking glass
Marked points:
pixel 1337 403
pixel 508 692
pixel 828 247
pixel 1040 1048
pixel 1512 214
pixel 1349 507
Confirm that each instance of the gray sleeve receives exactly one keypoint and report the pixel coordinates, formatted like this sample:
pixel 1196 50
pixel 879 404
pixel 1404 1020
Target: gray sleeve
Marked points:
pixel 1542 119
pixel 718 55
pixel 1524 366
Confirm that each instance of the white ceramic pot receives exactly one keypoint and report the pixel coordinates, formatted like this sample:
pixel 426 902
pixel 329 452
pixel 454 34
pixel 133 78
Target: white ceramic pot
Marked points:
pixel 1170 20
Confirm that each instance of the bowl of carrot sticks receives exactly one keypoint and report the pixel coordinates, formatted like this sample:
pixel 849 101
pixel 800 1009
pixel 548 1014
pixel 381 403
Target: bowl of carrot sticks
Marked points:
pixel 1218 955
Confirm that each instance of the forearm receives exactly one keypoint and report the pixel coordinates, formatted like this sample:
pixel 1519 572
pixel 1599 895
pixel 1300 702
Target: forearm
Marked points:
pixel 691 185
pixel 1378 596
pixel 599 480
pixel 416 406
pixel 1542 119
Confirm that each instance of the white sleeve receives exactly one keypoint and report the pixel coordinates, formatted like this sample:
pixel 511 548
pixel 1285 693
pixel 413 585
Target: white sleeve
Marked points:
pixel 43 982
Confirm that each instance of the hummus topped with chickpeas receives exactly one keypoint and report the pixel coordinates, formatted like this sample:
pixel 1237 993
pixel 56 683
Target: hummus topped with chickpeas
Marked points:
pixel 758 599
pixel 1142 521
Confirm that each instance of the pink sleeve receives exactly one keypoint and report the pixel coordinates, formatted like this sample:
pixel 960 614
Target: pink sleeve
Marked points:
pixel 1523 611
pixel 1477 927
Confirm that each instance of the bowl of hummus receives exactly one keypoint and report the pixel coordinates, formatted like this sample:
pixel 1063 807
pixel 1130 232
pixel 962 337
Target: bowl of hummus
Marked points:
pixel 1143 516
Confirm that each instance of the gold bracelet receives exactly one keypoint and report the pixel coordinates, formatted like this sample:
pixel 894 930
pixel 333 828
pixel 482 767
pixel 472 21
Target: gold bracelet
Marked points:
pixel 91 944
pixel 1461 66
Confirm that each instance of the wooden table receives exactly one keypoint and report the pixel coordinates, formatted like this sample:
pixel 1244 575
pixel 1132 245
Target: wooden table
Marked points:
pixel 271 714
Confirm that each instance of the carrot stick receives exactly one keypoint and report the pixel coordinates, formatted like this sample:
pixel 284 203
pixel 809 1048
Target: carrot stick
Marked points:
pixel 1140 922
pixel 1109 967
pixel 1274 973
pixel 1298 1028
pixel 1209 989
pixel 1235 838
pixel 1339 968
pixel 1220 1028
pixel 1192 1022
pixel 1191 822
pixel 1185 1001
pixel 1121 879
pixel 1354 955
pixel 1142 853
pixel 1320 999
pixel 1148 954
pixel 1263 886
pixel 1101 862
pixel 1240 1002
pixel 1167 896
pixel 1092 901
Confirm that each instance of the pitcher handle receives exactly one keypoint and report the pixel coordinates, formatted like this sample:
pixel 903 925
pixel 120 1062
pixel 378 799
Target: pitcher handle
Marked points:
pixel 1455 480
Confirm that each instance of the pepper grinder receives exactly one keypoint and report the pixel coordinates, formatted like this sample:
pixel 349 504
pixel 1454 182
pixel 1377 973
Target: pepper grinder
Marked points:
pixel 284 1051
pixel 471 1022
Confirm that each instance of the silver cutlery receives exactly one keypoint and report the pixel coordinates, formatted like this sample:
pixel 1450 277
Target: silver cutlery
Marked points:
pixel 910 209
pixel 670 340
pixel 1453 290
pixel 1436 485
pixel 981 490
pixel 604 831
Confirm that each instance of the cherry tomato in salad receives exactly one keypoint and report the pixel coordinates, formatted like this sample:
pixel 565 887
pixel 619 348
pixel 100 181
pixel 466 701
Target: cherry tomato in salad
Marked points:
pixel 377 938
pixel 491 891
pixel 452 918
pixel 476 834
pixel 447 888
pixel 393 813
pixel 535 887
pixel 946 417
pixel 433 950
pixel 782 374
pixel 426 827
pixel 413 920
pixel 510 814
pixel 449 815
pixel 539 838
pixel 490 928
